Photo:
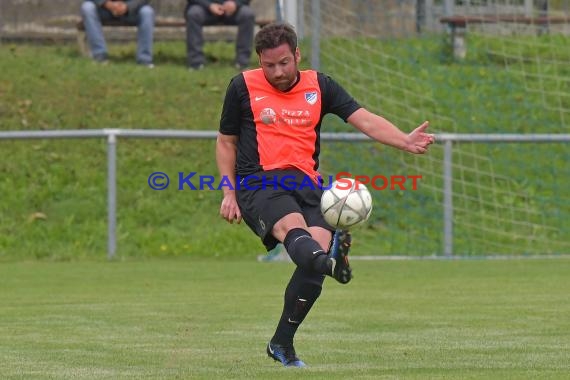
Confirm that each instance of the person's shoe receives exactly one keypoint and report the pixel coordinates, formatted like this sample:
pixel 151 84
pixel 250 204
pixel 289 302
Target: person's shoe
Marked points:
pixel 102 59
pixel 284 354
pixel 341 270
pixel 196 67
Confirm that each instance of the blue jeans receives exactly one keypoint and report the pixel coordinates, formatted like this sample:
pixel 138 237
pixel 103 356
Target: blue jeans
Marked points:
pixel 144 20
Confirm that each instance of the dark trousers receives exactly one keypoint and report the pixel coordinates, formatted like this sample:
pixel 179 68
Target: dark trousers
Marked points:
pixel 197 17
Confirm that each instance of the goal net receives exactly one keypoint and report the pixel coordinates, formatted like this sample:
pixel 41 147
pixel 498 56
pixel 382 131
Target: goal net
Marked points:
pixel 505 70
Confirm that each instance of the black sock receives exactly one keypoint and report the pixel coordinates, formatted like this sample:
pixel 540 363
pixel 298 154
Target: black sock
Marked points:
pixel 305 252
pixel 302 291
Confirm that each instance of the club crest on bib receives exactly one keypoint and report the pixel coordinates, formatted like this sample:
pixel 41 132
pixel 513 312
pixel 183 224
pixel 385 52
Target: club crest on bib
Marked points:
pixel 311 97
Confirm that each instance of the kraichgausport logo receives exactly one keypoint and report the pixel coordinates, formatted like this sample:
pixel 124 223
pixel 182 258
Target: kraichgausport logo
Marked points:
pixel 261 181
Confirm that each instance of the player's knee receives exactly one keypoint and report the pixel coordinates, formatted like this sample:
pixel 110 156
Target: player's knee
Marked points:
pixel 294 237
pixel 195 14
pixel 246 15
pixel 88 8
pixel 146 12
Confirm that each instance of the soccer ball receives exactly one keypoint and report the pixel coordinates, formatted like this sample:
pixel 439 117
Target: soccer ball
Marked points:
pixel 346 204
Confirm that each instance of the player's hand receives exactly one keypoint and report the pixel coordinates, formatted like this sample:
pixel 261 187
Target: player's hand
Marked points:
pixel 121 9
pixel 419 140
pixel 117 8
pixel 230 7
pixel 229 210
pixel 217 9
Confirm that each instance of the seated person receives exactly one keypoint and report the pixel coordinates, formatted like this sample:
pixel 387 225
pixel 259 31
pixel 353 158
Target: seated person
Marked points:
pixel 133 12
pixel 211 12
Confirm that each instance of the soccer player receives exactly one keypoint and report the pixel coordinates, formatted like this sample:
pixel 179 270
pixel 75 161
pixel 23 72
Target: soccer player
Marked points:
pixel 267 148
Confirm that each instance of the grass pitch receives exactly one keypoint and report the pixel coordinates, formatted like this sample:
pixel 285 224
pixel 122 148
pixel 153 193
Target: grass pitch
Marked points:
pixel 211 319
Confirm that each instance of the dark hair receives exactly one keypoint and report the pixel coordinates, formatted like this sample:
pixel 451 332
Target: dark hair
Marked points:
pixel 274 35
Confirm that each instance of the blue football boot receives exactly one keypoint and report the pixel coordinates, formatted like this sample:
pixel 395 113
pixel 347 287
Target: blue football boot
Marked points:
pixel 338 253
pixel 284 354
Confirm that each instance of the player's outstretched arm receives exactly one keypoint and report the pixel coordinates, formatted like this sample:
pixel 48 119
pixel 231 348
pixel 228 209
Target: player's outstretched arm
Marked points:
pixel 226 149
pixel 383 131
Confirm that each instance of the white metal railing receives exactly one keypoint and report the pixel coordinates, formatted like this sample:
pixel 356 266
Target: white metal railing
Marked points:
pixel 447 139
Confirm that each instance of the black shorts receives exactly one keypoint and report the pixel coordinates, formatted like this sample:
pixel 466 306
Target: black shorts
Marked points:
pixel 267 196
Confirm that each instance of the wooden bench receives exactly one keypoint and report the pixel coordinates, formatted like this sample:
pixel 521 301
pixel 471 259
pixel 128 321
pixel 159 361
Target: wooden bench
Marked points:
pixel 458 24
pixel 159 23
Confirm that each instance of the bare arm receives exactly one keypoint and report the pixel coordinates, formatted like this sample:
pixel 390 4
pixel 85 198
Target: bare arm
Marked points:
pixel 226 150
pixel 383 131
